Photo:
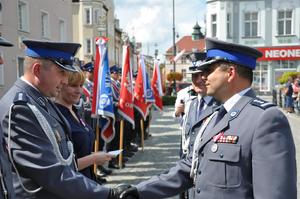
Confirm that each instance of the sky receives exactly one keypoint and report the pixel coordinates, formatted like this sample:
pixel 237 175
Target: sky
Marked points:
pixel 150 21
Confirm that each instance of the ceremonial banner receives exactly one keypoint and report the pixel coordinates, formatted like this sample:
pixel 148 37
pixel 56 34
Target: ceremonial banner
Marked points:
pixel 140 102
pixel 157 87
pixel 178 55
pixel 102 98
pixel 126 91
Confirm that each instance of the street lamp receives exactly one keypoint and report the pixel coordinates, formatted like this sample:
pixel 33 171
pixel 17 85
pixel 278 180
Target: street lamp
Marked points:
pixel 174 49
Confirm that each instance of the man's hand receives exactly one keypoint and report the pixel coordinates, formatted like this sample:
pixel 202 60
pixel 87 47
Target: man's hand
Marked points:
pixel 116 191
pixel 130 193
pixel 179 110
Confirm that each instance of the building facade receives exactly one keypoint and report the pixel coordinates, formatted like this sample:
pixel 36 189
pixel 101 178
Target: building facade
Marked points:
pixel 271 26
pixel 92 19
pixel 30 19
pixel 184 46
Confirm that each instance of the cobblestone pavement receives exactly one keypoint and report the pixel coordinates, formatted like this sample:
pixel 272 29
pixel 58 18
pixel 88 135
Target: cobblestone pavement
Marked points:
pixel 161 150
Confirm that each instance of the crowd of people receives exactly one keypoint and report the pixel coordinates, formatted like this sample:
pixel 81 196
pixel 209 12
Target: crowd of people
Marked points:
pixel 234 144
pixel 292 95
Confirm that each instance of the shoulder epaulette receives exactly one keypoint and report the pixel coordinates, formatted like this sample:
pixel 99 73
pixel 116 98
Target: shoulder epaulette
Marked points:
pixel 262 103
pixel 21 97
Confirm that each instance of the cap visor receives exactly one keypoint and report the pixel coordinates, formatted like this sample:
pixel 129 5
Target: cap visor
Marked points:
pixel 206 64
pixel 4 42
pixel 70 68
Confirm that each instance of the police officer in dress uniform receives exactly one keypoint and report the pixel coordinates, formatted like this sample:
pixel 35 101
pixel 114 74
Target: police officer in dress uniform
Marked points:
pixel 245 150
pixel 201 104
pixel 6 186
pixel 38 136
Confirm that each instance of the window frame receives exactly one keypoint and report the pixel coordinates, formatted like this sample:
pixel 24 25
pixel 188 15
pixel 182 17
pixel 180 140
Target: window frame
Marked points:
pixel 284 20
pixel 45 25
pixel 251 23
pixel 23 21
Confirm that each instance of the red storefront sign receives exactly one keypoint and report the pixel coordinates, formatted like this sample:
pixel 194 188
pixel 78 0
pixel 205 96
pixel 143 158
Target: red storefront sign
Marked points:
pixel 280 53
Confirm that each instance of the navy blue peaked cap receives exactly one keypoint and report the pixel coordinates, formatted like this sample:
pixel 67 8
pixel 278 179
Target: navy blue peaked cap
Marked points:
pixel 114 69
pixel 60 53
pixel 218 50
pixel 197 58
pixel 4 42
pixel 88 67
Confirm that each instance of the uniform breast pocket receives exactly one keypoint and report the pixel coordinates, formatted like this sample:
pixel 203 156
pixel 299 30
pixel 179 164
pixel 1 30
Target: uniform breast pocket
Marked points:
pixel 223 165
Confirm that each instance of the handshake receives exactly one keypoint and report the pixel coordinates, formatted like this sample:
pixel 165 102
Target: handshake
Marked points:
pixel 123 191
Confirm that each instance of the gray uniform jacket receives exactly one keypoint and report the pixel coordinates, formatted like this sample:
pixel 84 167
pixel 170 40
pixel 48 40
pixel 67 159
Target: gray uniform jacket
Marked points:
pixel 6 185
pixel 191 121
pixel 33 152
pixel 260 165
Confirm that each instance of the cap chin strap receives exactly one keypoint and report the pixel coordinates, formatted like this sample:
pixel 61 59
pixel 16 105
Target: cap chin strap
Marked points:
pixel 51 136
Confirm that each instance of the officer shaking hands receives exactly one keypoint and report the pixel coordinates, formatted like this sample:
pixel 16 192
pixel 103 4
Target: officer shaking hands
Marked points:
pixel 246 150
pixel 38 136
pixel 6 187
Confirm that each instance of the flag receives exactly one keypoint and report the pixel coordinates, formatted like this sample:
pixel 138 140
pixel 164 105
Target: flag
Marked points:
pixel 157 87
pixel 140 89
pixel 126 91
pixel 178 55
pixel 102 98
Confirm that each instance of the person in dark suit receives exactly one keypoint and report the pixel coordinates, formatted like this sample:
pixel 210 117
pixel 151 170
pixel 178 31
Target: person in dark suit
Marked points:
pixel 6 185
pixel 244 150
pixel 38 135
pixel 83 136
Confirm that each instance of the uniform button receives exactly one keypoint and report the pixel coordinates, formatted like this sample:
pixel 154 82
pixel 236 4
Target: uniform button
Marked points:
pixel 200 139
pixel 221 155
pixel 198 190
pixel 192 144
pixel 193 132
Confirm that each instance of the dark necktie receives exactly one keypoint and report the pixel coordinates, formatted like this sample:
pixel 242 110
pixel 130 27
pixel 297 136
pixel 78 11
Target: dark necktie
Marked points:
pixel 222 111
pixel 200 106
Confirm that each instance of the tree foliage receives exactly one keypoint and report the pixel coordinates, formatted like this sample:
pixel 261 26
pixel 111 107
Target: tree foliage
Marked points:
pixel 174 76
pixel 285 76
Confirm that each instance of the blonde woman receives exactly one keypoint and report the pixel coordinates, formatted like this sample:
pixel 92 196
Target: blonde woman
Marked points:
pixel 82 134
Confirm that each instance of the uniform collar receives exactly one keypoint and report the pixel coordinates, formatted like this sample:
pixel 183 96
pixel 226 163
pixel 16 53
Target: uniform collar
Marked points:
pixel 234 99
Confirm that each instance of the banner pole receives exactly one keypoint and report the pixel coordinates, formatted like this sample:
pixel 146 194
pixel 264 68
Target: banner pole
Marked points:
pixel 96 145
pixel 142 134
pixel 121 144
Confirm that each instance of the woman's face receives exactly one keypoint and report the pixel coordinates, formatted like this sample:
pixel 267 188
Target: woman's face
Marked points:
pixel 71 93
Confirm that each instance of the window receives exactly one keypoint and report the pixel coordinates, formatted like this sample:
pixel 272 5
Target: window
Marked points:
pixel 0 13
pixel 45 25
pixel 251 24
pixel 183 71
pixel 214 25
pixel 62 30
pixel 284 24
pixel 88 46
pixel 1 70
pixel 20 66
pixel 228 25
pixel 88 16
pixel 261 76
pixel 23 16
pixel 97 16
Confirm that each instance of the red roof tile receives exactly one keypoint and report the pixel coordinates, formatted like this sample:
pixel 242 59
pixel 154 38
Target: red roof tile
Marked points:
pixel 188 44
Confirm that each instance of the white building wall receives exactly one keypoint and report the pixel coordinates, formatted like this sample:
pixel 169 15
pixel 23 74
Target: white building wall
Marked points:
pixel 267 31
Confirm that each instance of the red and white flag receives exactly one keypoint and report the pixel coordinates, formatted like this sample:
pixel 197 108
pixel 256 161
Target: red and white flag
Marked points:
pixel 126 92
pixel 140 90
pixel 178 55
pixel 157 87
pixel 102 92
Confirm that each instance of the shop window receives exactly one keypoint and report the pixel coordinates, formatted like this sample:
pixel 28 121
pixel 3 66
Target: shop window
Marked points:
pixel 251 24
pixel 261 77
pixel 284 22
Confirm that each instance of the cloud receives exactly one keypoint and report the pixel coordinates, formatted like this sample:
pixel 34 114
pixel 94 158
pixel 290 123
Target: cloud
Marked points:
pixel 151 21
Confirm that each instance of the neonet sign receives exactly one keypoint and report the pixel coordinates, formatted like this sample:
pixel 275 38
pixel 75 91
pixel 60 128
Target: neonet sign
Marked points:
pixel 280 53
